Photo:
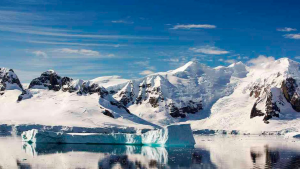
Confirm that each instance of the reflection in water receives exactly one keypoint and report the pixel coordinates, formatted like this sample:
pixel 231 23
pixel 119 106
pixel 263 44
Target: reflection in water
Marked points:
pixel 209 152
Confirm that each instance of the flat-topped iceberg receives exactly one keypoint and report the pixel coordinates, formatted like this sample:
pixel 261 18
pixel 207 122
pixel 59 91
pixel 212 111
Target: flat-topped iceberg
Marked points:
pixel 173 135
pixel 35 136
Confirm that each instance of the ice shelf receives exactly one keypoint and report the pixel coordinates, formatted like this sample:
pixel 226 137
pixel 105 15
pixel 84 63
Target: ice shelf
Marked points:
pixel 173 135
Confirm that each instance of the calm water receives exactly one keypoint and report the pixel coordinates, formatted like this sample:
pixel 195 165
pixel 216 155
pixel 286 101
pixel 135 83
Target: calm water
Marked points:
pixel 210 152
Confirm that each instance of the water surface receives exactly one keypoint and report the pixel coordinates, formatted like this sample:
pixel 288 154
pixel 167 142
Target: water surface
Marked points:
pixel 209 152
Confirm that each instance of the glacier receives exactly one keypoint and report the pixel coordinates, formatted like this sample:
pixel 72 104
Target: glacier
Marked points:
pixel 172 135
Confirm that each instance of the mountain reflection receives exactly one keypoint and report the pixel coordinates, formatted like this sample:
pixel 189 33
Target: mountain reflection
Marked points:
pixel 125 156
pixel 209 152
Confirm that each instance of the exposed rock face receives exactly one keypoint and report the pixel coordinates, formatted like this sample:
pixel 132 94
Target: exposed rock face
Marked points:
pixel 48 79
pixel 87 88
pixel 256 112
pixel 52 81
pixel 272 110
pixel 9 80
pixel 289 89
pixel 159 93
pixel 108 113
pixel 264 99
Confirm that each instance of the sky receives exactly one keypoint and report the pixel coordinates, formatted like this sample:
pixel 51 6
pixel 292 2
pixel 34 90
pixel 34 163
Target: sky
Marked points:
pixel 131 39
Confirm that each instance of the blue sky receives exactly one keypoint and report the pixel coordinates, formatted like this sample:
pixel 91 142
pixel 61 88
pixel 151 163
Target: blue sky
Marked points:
pixel 92 38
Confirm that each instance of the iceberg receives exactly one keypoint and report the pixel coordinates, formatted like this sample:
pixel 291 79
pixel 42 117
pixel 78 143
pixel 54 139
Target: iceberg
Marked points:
pixel 173 135
pixel 35 136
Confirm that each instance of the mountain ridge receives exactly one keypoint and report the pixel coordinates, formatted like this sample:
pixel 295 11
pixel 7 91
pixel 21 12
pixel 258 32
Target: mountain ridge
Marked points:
pixel 207 97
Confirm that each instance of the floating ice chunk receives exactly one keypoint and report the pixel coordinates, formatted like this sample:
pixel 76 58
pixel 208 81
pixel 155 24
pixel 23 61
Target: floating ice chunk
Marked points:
pixel 292 135
pixel 35 136
pixel 172 135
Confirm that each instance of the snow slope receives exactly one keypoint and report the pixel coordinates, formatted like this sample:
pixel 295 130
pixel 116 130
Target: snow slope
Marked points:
pixel 186 93
pixel 258 103
pixel 253 99
pixel 62 101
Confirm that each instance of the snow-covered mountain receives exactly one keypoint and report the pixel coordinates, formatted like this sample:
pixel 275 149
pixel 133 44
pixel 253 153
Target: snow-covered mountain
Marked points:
pixel 265 100
pixel 62 101
pixel 183 94
pixel 262 97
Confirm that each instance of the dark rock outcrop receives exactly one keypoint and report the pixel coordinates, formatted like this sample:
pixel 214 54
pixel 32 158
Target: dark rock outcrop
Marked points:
pixel 87 88
pixel 108 113
pixel 9 80
pixel 190 108
pixel 48 79
pixel 264 96
pixel 256 112
pixel 289 88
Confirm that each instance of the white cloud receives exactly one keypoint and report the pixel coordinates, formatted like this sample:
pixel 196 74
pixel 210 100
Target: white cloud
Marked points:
pixel 122 21
pixel 40 53
pixel 261 59
pixel 286 29
pixel 230 61
pixel 73 44
pixel 146 72
pixel 210 50
pixel 145 64
pixel 110 55
pixel 297 57
pixel 65 33
pixel 171 60
pixel 193 26
pixel 292 36
pixel 85 52
pixel 221 60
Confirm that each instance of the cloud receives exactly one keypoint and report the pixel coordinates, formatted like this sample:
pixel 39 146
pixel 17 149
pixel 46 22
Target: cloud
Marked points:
pixel 145 64
pixel 210 50
pixel 193 26
pixel 230 61
pixel 122 21
pixel 297 57
pixel 292 36
pixel 40 53
pixel 171 60
pixel 73 44
pixel 260 60
pixel 146 72
pixel 286 29
pixel 85 52
pixel 63 33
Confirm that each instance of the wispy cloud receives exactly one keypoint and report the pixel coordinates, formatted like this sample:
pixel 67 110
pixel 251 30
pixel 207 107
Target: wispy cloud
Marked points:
pixel 73 43
pixel 286 29
pixel 122 21
pixel 210 50
pixel 230 61
pixel 40 31
pixel 11 17
pixel 40 53
pixel 146 72
pixel 193 26
pixel 145 64
pixel 85 52
pixel 297 57
pixel 292 36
